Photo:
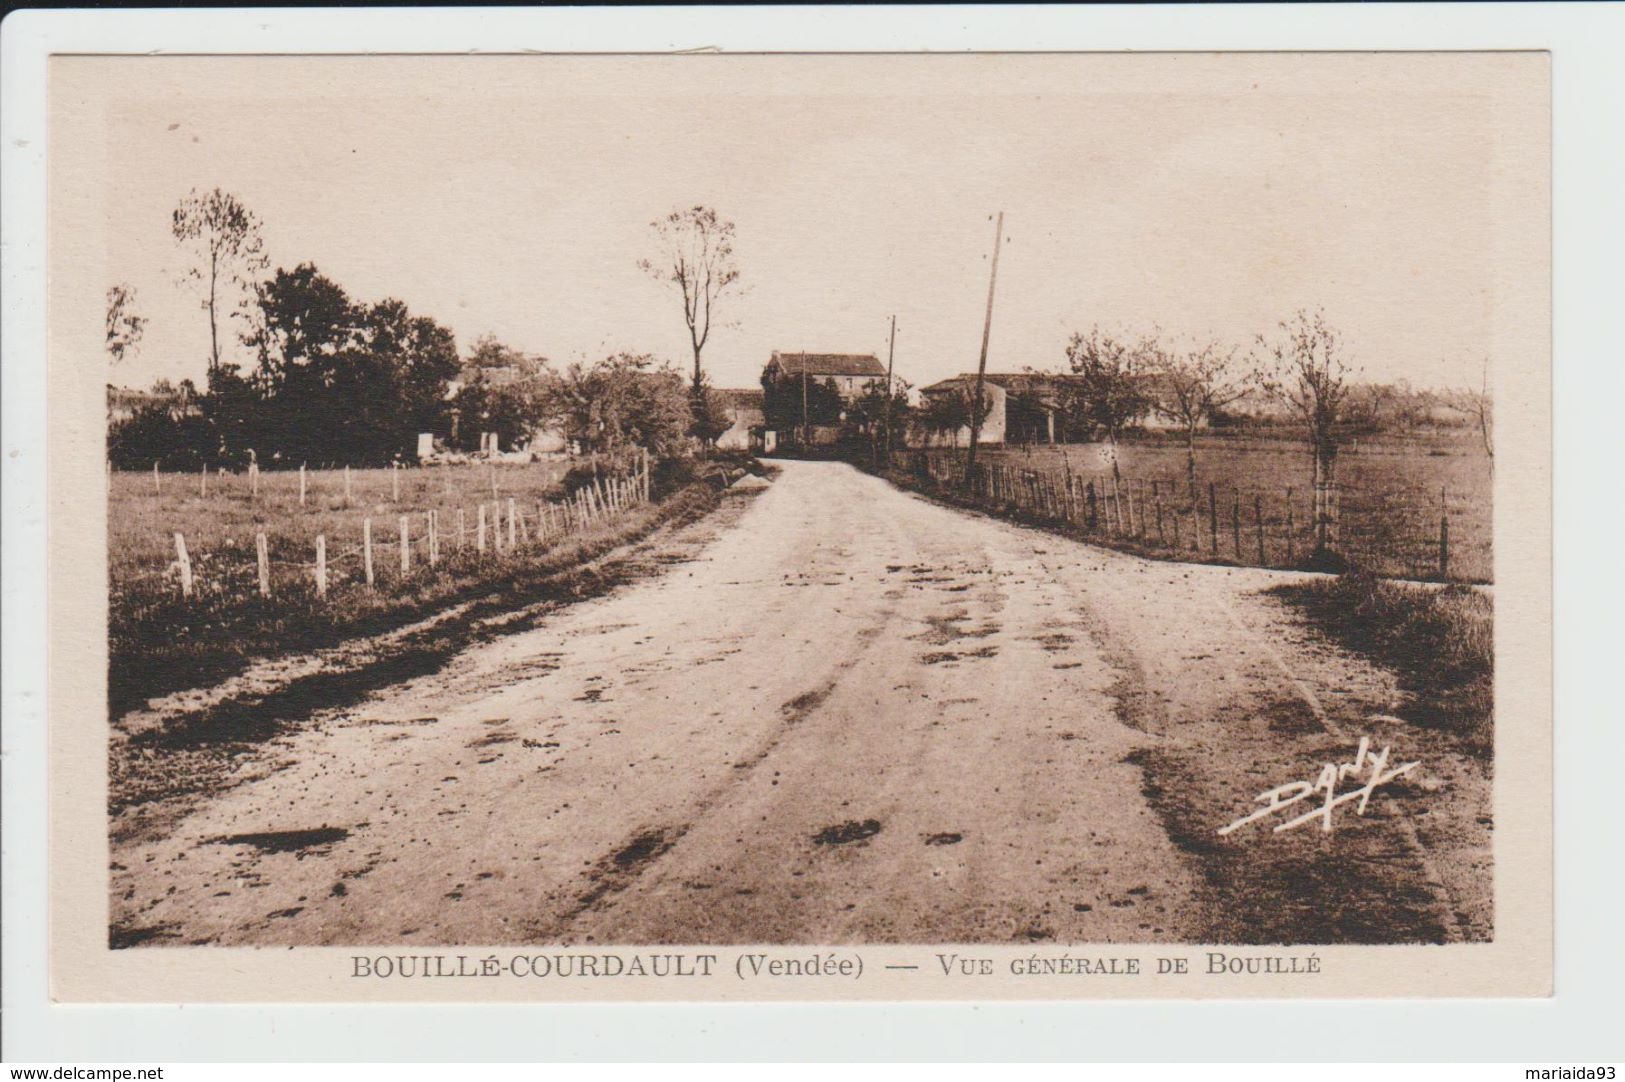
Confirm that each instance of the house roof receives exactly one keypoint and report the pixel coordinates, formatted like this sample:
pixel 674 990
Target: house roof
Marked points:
pixel 742 397
pixel 1020 382
pixel 829 364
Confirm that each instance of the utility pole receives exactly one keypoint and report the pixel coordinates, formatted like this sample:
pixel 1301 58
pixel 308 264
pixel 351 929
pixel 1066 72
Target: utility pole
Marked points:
pixel 806 425
pixel 981 365
pixel 891 350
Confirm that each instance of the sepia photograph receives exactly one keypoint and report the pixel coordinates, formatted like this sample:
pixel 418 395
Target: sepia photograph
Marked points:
pixel 643 516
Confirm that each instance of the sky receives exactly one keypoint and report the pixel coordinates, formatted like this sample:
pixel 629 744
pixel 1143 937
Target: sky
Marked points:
pixel 1203 195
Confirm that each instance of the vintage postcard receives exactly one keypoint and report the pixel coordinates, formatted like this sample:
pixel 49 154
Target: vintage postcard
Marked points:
pixel 638 527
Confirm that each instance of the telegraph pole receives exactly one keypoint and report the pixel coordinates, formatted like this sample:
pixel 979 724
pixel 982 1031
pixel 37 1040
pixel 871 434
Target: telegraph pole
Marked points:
pixel 981 365
pixel 806 425
pixel 891 350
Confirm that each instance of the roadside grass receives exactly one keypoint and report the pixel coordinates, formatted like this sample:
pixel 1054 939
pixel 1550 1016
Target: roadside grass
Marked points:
pixel 160 642
pixel 1439 641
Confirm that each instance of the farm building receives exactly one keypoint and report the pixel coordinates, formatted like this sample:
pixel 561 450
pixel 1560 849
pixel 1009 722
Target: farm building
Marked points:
pixel 1022 407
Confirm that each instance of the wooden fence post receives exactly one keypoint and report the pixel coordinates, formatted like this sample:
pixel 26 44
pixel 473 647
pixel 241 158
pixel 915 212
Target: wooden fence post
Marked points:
pixel 479 533
pixel 1156 499
pixel 395 482
pixel 253 480
pixel 321 565
pixel 1235 520
pixel 1258 524
pixel 203 485
pixel 347 486
pixel 461 529
pixel 1092 508
pixel 493 470
pixel 1177 544
pixel 513 536
pixel 434 536
pixel 1213 515
pixel 406 546
pixel 262 551
pixel 366 550
pixel 157 485
pixel 185 562
pixel 301 484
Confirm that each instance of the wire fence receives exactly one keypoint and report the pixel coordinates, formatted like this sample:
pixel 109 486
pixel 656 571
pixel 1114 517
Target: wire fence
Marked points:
pixel 1401 531
pixel 396 549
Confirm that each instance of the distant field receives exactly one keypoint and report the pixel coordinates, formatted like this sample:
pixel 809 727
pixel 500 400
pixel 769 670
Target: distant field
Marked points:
pixel 1394 492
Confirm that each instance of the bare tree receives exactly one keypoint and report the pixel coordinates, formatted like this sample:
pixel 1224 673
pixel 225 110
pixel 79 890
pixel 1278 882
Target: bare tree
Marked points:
pixel 124 325
pixel 1304 370
pixel 1479 406
pixel 1110 392
pixel 697 257
pixel 224 235
pixel 1192 384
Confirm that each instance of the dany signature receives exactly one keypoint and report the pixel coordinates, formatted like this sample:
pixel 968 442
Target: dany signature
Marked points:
pixel 1366 766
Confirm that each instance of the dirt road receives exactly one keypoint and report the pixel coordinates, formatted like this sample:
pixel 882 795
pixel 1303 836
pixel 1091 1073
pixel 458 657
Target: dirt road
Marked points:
pixel 847 715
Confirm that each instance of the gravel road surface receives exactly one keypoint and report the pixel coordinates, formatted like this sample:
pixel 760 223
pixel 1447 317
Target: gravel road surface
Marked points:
pixel 840 714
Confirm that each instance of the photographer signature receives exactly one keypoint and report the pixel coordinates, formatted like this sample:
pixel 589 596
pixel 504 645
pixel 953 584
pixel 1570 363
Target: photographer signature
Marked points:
pixel 1373 767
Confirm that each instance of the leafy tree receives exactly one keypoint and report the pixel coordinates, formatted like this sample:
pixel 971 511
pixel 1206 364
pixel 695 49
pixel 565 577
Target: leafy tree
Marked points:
pixel 709 408
pixel 335 380
pixel 421 357
pixel 1303 369
pixel 945 414
pixel 1110 392
pixel 870 413
pixel 489 353
pixel 1193 383
pixel 513 411
pixel 949 411
pixel 696 259
pixel 318 393
pixel 224 236
pixel 789 403
pixel 624 401
pixel 505 393
pixel 124 325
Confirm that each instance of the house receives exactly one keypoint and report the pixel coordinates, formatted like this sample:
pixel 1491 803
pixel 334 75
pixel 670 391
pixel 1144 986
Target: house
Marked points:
pixel 745 410
pixel 850 373
pixel 1022 407
pixel 805 395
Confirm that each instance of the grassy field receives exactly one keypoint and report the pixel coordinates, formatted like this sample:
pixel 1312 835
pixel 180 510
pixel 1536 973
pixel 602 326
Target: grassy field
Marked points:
pixel 221 517
pixel 1393 494
pixel 161 641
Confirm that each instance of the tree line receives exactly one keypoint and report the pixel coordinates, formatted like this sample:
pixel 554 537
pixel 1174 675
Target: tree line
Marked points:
pixel 333 378
pixel 1299 376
